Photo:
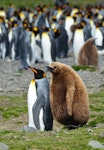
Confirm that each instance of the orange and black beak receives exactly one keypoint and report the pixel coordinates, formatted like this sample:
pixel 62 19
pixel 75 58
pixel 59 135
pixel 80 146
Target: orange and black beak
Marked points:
pixel 33 69
pixel 38 73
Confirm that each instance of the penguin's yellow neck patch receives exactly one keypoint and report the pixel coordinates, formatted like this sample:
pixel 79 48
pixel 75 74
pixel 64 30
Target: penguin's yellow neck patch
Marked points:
pixel 32 35
pixel 97 29
pixel 33 81
pixel 44 75
pixel 45 33
pixel 79 30
pixel 69 17
pixel 22 16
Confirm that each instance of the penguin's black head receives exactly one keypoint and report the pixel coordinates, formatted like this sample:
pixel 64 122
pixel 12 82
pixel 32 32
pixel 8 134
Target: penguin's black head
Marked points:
pixel 38 73
pixel 57 32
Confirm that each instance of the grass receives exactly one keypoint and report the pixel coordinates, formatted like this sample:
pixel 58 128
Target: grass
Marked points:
pixel 13 106
pixel 90 68
pixel 13 110
pixel 32 3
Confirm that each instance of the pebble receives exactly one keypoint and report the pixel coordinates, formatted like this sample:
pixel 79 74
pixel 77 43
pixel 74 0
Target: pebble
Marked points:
pixel 3 146
pixel 95 144
pixel 28 129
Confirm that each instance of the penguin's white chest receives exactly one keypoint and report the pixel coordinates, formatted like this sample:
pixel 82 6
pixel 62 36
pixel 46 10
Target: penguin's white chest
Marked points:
pixel 33 43
pixel 32 96
pixel 98 37
pixel 10 35
pixel 0 31
pixel 46 48
pixel 78 42
pixel 69 21
pixel 58 15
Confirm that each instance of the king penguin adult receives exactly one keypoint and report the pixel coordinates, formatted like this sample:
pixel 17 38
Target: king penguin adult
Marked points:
pixel 40 116
pixel 48 45
pixel 78 41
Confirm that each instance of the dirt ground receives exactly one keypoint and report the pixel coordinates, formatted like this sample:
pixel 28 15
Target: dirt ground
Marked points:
pixel 13 82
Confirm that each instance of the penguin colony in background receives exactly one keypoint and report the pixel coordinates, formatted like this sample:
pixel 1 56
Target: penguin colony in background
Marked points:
pixel 44 34
pixel 69 100
pixel 39 112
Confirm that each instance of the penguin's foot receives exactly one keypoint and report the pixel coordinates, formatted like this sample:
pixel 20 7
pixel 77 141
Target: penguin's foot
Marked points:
pixel 71 126
pixel 17 58
pixel 28 129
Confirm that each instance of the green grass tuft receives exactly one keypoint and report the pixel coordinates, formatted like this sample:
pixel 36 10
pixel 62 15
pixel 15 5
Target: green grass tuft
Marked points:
pixel 90 68
pixel 12 106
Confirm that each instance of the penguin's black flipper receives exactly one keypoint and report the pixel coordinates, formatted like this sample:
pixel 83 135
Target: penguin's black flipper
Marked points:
pixel 38 43
pixel 48 118
pixel 36 110
pixel 87 33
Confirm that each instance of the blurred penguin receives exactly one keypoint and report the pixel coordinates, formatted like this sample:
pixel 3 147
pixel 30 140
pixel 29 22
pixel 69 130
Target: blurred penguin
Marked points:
pixel 13 38
pixel 3 37
pixel 25 46
pixel 35 47
pixel 99 36
pixel 78 40
pixel 88 54
pixel 10 11
pixel 2 12
pixel 48 45
pixel 42 18
pixel 62 41
pixel 69 21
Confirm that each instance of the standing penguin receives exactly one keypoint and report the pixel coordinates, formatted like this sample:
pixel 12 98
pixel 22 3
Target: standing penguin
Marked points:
pixel 3 38
pixel 40 116
pixel 48 46
pixel 68 96
pixel 99 36
pixel 88 54
pixel 69 21
pixel 36 49
pixel 78 41
pixel 62 41
pixel 13 39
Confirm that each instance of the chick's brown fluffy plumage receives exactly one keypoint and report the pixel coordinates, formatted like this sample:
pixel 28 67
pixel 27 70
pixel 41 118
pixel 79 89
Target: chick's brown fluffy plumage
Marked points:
pixel 88 54
pixel 68 96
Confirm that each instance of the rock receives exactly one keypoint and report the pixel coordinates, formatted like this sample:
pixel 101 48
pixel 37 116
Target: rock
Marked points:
pixel 101 135
pixel 89 130
pixel 3 146
pixel 95 144
pixel 99 125
pixel 28 129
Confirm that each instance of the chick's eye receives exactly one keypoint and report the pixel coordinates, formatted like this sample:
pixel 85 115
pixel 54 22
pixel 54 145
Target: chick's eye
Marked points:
pixel 55 67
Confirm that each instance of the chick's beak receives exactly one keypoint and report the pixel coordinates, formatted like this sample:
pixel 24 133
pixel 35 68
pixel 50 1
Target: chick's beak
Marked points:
pixel 50 69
